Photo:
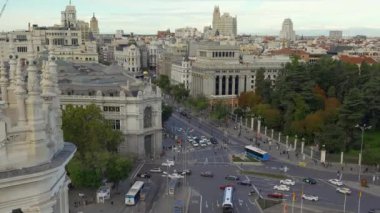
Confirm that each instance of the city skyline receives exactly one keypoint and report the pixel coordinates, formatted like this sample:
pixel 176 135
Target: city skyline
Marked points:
pixel 310 17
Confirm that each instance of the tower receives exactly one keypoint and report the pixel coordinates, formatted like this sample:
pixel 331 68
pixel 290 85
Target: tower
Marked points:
pixel 216 18
pixel 94 28
pixel 287 33
pixel 69 17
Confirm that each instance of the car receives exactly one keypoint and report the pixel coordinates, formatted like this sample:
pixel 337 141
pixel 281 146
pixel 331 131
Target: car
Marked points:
pixel 143 175
pixel 288 182
pixel 203 144
pixel 374 211
pixel 336 182
pixel 185 172
pixel 344 190
pixel 207 174
pixel 156 170
pixel 276 195
pixel 222 187
pixel 309 180
pixel 195 144
pixel 208 142
pixel 213 140
pixel 231 177
pixel 310 197
pixel 245 183
pixel 281 188
pixel 168 163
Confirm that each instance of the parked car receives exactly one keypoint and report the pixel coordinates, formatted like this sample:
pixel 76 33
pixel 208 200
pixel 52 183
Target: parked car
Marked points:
pixel 156 170
pixel 281 188
pixel 310 197
pixel 207 174
pixel 245 183
pixel 344 190
pixel 374 211
pixel 276 195
pixel 232 177
pixel 288 182
pixel 336 182
pixel 195 144
pixel 222 187
pixel 143 175
pixel 309 180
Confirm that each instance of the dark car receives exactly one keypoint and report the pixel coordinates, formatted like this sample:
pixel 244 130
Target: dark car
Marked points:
pixel 213 140
pixel 309 180
pixel 245 183
pixel 374 211
pixel 232 177
pixel 185 172
pixel 207 174
pixel 143 175
pixel 276 195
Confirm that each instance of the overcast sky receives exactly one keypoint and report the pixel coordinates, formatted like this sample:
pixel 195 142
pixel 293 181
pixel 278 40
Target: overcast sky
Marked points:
pixel 253 16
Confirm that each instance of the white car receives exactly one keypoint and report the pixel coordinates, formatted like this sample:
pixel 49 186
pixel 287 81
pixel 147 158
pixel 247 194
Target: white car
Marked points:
pixel 288 182
pixel 343 190
pixel 156 170
pixel 209 142
pixel 203 144
pixel 310 197
pixel 168 163
pixel 195 144
pixel 281 188
pixel 336 182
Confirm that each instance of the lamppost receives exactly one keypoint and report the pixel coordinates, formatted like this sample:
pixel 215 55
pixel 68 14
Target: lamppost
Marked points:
pixel 362 128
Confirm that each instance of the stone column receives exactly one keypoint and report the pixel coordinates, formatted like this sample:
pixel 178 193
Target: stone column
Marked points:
pixel 227 84
pixel 295 143
pixel 233 85
pixel 287 141
pixel 252 119
pixel 271 134
pixel 265 131
pixel 3 82
pixel 220 84
pixel 311 152
pixel 302 145
pixel 360 159
pixel 341 157
pixel 258 126
pixel 323 155
pixel 246 122
pixel 279 137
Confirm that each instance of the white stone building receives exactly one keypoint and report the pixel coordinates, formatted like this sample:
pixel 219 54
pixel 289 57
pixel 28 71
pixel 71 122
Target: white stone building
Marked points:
pixel 187 32
pixel 33 154
pixel 131 105
pixel 287 33
pixel 153 54
pixel 129 57
pixel 181 72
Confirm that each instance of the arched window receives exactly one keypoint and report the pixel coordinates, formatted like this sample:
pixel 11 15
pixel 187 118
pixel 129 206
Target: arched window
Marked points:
pixel 148 117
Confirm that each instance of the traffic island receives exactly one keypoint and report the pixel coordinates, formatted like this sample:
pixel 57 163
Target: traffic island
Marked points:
pixel 263 174
pixel 242 160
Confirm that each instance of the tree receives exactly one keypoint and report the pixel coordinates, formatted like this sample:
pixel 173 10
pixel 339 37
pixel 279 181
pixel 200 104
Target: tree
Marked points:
pixel 179 92
pixel 219 111
pixel 96 143
pixel 166 112
pixel 263 86
pixel 164 83
pixel 118 168
pixel 248 100
pixel 333 137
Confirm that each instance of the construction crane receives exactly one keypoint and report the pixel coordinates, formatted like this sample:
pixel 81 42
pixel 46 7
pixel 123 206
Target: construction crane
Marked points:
pixel 2 9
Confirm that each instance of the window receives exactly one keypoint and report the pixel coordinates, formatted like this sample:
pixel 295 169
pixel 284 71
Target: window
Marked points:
pixel 105 108
pixel 148 117
pixel 115 124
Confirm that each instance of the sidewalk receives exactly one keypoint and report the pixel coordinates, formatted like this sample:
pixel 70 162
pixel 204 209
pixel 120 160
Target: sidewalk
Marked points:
pixel 371 189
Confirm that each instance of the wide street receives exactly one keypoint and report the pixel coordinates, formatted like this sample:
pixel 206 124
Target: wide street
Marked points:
pixel 206 194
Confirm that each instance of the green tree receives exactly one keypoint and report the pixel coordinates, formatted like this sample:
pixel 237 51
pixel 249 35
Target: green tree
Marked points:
pixel 118 168
pixel 96 143
pixel 179 92
pixel 166 112
pixel 219 111
pixel 333 137
pixel 163 82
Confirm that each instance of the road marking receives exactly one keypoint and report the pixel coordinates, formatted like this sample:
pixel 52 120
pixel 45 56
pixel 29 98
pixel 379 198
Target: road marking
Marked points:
pixel 217 203
pixel 206 204
pixel 200 206
pixel 241 202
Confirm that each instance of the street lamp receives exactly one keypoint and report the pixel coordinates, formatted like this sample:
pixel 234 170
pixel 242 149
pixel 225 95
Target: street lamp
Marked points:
pixel 362 128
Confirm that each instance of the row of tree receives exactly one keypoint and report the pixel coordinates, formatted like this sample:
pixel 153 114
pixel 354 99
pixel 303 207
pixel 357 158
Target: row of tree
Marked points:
pixel 321 102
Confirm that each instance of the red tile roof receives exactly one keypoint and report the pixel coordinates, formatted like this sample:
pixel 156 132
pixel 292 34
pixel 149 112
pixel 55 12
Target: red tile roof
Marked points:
pixel 357 59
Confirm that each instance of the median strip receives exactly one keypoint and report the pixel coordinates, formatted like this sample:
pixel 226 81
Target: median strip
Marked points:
pixel 263 174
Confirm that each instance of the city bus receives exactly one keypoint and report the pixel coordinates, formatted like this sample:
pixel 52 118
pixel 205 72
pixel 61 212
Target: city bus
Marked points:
pixel 254 152
pixel 227 205
pixel 133 194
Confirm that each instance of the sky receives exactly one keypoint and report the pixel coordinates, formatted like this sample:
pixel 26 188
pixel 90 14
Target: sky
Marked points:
pixel 261 17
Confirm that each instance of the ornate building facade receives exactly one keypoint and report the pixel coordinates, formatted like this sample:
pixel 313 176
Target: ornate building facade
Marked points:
pixel 33 154
pixel 225 24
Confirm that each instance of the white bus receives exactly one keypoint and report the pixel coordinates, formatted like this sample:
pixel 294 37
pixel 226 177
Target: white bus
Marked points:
pixel 227 205
pixel 133 194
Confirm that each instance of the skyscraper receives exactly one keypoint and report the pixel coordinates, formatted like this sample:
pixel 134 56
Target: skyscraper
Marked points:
pixel 225 24
pixel 287 33
pixel 69 16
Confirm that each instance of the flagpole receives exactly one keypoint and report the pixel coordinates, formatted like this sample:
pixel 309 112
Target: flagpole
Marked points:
pixel 344 205
pixel 360 197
